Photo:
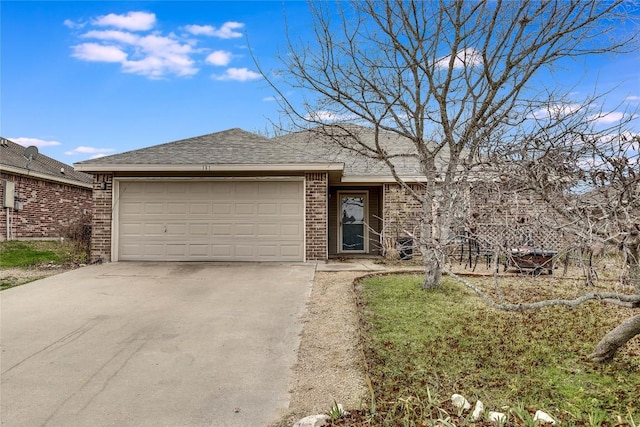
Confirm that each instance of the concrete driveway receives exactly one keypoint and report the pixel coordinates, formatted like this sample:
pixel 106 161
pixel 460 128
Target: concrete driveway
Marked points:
pixel 152 344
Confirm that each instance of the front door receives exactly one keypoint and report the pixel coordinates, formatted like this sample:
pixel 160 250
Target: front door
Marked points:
pixel 353 230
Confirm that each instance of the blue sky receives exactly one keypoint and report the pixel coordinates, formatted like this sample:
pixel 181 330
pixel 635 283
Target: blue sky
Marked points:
pixel 82 79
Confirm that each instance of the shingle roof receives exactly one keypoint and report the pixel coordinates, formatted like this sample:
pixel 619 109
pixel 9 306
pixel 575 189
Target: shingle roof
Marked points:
pixel 12 160
pixel 336 143
pixel 239 147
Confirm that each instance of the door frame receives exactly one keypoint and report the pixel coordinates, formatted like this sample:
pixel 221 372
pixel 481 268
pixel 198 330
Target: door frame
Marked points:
pixel 365 237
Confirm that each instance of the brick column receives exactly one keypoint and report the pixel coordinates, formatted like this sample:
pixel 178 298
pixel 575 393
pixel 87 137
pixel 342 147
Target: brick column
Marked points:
pixel 102 215
pixel 316 226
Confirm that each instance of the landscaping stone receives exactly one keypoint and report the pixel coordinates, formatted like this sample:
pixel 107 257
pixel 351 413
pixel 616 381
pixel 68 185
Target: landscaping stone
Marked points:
pixel 478 411
pixel 543 417
pixel 460 402
pixel 313 421
pixel 497 417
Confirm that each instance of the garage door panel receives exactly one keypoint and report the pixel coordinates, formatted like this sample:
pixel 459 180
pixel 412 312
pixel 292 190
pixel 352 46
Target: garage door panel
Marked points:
pixel 199 208
pixel 290 209
pixel 152 230
pixel 222 208
pixel 132 208
pixel 246 188
pixel 220 230
pixel 268 251
pixel 174 208
pixel 178 187
pixel 215 220
pixel 199 230
pixel 132 229
pixel 292 251
pixel 267 208
pixel 176 249
pixel 176 230
pixel 245 208
pixel 221 251
pixel 290 230
pixel 154 208
pixel 268 230
pixel 244 251
pixel 245 230
pixel 152 187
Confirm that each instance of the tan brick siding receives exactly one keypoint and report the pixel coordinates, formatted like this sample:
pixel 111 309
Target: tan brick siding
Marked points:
pixel 47 208
pixel 401 212
pixel 102 217
pixel 316 220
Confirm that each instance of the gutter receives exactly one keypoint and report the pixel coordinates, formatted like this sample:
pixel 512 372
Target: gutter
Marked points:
pixel 207 167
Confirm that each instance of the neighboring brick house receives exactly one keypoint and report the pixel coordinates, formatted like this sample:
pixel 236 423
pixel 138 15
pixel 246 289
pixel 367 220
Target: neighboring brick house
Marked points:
pixel 40 197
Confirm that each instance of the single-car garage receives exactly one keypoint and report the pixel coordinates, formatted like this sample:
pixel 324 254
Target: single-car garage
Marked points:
pixel 209 220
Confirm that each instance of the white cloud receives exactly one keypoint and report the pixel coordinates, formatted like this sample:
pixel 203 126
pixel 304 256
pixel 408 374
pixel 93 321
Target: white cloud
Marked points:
pixel 226 31
pixel 324 116
pixel 153 56
pixel 134 21
pixel 74 25
pixel 556 111
pixel 608 118
pixel 97 152
pixel 632 98
pixel 238 74
pixel 112 35
pixel 25 141
pixel 151 53
pixel 219 57
pixel 98 53
pixel 468 57
pixel 200 30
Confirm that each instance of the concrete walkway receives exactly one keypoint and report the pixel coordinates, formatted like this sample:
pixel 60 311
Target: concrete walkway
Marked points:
pixel 372 265
pixel 152 344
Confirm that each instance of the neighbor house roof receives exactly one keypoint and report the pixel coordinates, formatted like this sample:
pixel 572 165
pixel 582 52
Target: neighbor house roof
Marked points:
pixel 12 160
pixel 239 150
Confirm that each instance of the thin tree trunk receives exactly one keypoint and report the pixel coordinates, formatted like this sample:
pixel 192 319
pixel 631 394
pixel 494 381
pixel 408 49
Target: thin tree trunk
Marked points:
pixel 609 345
pixel 432 268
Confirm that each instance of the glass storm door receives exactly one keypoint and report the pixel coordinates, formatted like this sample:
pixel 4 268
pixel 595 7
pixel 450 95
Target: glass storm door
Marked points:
pixel 352 216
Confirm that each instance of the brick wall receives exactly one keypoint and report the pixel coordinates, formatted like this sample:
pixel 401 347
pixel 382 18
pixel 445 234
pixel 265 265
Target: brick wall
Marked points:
pixel 102 213
pixel 47 208
pixel 316 197
pixel 400 211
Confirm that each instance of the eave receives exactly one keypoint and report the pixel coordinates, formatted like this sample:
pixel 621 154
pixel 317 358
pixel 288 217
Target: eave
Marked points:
pixel 206 167
pixel 43 176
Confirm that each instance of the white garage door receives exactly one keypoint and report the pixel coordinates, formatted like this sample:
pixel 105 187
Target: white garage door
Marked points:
pixel 211 220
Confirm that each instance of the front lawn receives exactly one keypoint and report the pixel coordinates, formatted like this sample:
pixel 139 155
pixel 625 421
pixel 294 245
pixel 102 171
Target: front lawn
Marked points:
pixel 423 346
pixel 22 254
pixel 24 261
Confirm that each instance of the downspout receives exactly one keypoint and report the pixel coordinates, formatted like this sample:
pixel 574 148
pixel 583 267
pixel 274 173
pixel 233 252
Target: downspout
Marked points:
pixel 8 223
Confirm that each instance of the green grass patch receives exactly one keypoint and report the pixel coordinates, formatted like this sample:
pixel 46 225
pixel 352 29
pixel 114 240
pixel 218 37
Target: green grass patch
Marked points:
pixel 420 344
pixel 20 254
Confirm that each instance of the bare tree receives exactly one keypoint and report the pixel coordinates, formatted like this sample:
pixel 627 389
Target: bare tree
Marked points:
pixel 466 82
